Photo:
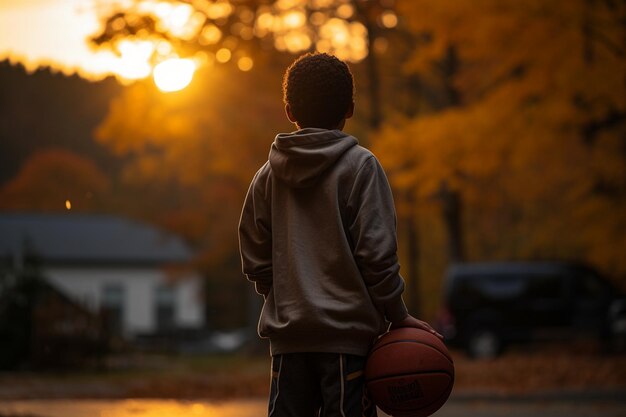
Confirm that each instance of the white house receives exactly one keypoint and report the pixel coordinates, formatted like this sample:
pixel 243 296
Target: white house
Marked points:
pixel 110 263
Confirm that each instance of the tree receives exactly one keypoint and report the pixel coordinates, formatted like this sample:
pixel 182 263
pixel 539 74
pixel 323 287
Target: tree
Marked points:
pixel 46 109
pixel 533 141
pixel 56 180
pixel 34 319
pixel 197 149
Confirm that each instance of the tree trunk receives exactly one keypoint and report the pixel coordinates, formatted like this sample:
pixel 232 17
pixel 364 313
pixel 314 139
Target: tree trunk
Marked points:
pixel 451 202
pixel 373 76
pixel 409 225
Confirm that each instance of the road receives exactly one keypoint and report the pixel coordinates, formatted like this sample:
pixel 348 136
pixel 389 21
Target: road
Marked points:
pixel 601 404
pixel 549 404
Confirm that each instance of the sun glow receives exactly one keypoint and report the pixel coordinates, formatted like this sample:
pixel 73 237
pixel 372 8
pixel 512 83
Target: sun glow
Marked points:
pixel 135 56
pixel 173 74
pixel 56 33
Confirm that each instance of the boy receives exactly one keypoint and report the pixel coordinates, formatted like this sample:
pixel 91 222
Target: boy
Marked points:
pixel 317 237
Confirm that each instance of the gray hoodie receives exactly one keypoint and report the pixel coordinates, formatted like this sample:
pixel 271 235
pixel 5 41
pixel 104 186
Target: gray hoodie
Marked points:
pixel 318 238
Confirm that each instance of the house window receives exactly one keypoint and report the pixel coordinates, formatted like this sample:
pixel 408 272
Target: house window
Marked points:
pixel 113 307
pixel 165 308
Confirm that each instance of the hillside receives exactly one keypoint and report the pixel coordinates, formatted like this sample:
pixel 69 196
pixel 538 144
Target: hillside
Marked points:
pixel 47 109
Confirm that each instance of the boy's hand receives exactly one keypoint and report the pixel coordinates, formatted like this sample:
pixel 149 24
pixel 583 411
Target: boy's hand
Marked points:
pixel 411 321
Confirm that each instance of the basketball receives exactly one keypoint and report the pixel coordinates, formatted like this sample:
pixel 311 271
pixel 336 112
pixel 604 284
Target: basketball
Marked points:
pixel 409 373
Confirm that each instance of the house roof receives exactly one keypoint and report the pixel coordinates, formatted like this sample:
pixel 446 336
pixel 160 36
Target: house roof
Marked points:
pixel 86 238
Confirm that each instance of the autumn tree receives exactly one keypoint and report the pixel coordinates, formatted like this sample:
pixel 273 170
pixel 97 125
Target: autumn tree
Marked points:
pixel 197 149
pixel 530 136
pixel 56 180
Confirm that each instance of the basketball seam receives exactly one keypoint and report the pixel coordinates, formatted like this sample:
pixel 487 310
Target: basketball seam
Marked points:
pixel 410 374
pixel 414 341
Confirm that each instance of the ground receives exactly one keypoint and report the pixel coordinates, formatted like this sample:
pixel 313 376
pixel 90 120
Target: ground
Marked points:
pixel 518 372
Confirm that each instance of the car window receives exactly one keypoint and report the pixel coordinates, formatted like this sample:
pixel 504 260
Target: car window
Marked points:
pixel 493 287
pixel 544 287
pixel 502 286
pixel 590 286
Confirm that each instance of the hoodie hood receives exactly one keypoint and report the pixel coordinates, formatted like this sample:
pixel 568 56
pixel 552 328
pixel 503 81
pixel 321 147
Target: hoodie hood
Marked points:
pixel 299 158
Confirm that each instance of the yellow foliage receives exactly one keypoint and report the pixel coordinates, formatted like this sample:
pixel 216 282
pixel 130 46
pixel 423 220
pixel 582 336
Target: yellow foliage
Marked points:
pixel 536 147
pixel 201 145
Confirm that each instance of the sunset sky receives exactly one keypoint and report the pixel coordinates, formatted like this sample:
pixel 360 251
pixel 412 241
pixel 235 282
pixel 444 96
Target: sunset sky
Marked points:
pixel 53 32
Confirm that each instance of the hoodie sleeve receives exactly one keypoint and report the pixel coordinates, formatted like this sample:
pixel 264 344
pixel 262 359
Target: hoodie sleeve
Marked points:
pixel 255 235
pixel 373 233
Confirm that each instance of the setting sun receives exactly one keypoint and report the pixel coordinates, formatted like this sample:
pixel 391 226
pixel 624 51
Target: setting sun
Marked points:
pixel 173 74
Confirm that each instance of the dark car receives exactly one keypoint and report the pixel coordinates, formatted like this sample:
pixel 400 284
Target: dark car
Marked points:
pixel 490 305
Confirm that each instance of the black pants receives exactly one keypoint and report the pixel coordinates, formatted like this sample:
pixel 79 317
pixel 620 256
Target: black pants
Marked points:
pixel 319 384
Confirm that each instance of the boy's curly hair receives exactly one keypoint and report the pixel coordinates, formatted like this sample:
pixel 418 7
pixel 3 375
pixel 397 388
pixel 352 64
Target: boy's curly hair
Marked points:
pixel 319 90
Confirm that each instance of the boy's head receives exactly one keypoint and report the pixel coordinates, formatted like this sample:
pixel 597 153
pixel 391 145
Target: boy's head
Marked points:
pixel 318 92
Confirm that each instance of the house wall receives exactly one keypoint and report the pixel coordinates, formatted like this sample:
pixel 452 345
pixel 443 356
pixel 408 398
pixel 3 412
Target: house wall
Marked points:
pixel 87 286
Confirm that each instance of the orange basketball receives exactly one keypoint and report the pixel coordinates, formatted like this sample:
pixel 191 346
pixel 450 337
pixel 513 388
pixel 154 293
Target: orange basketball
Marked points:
pixel 409 373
